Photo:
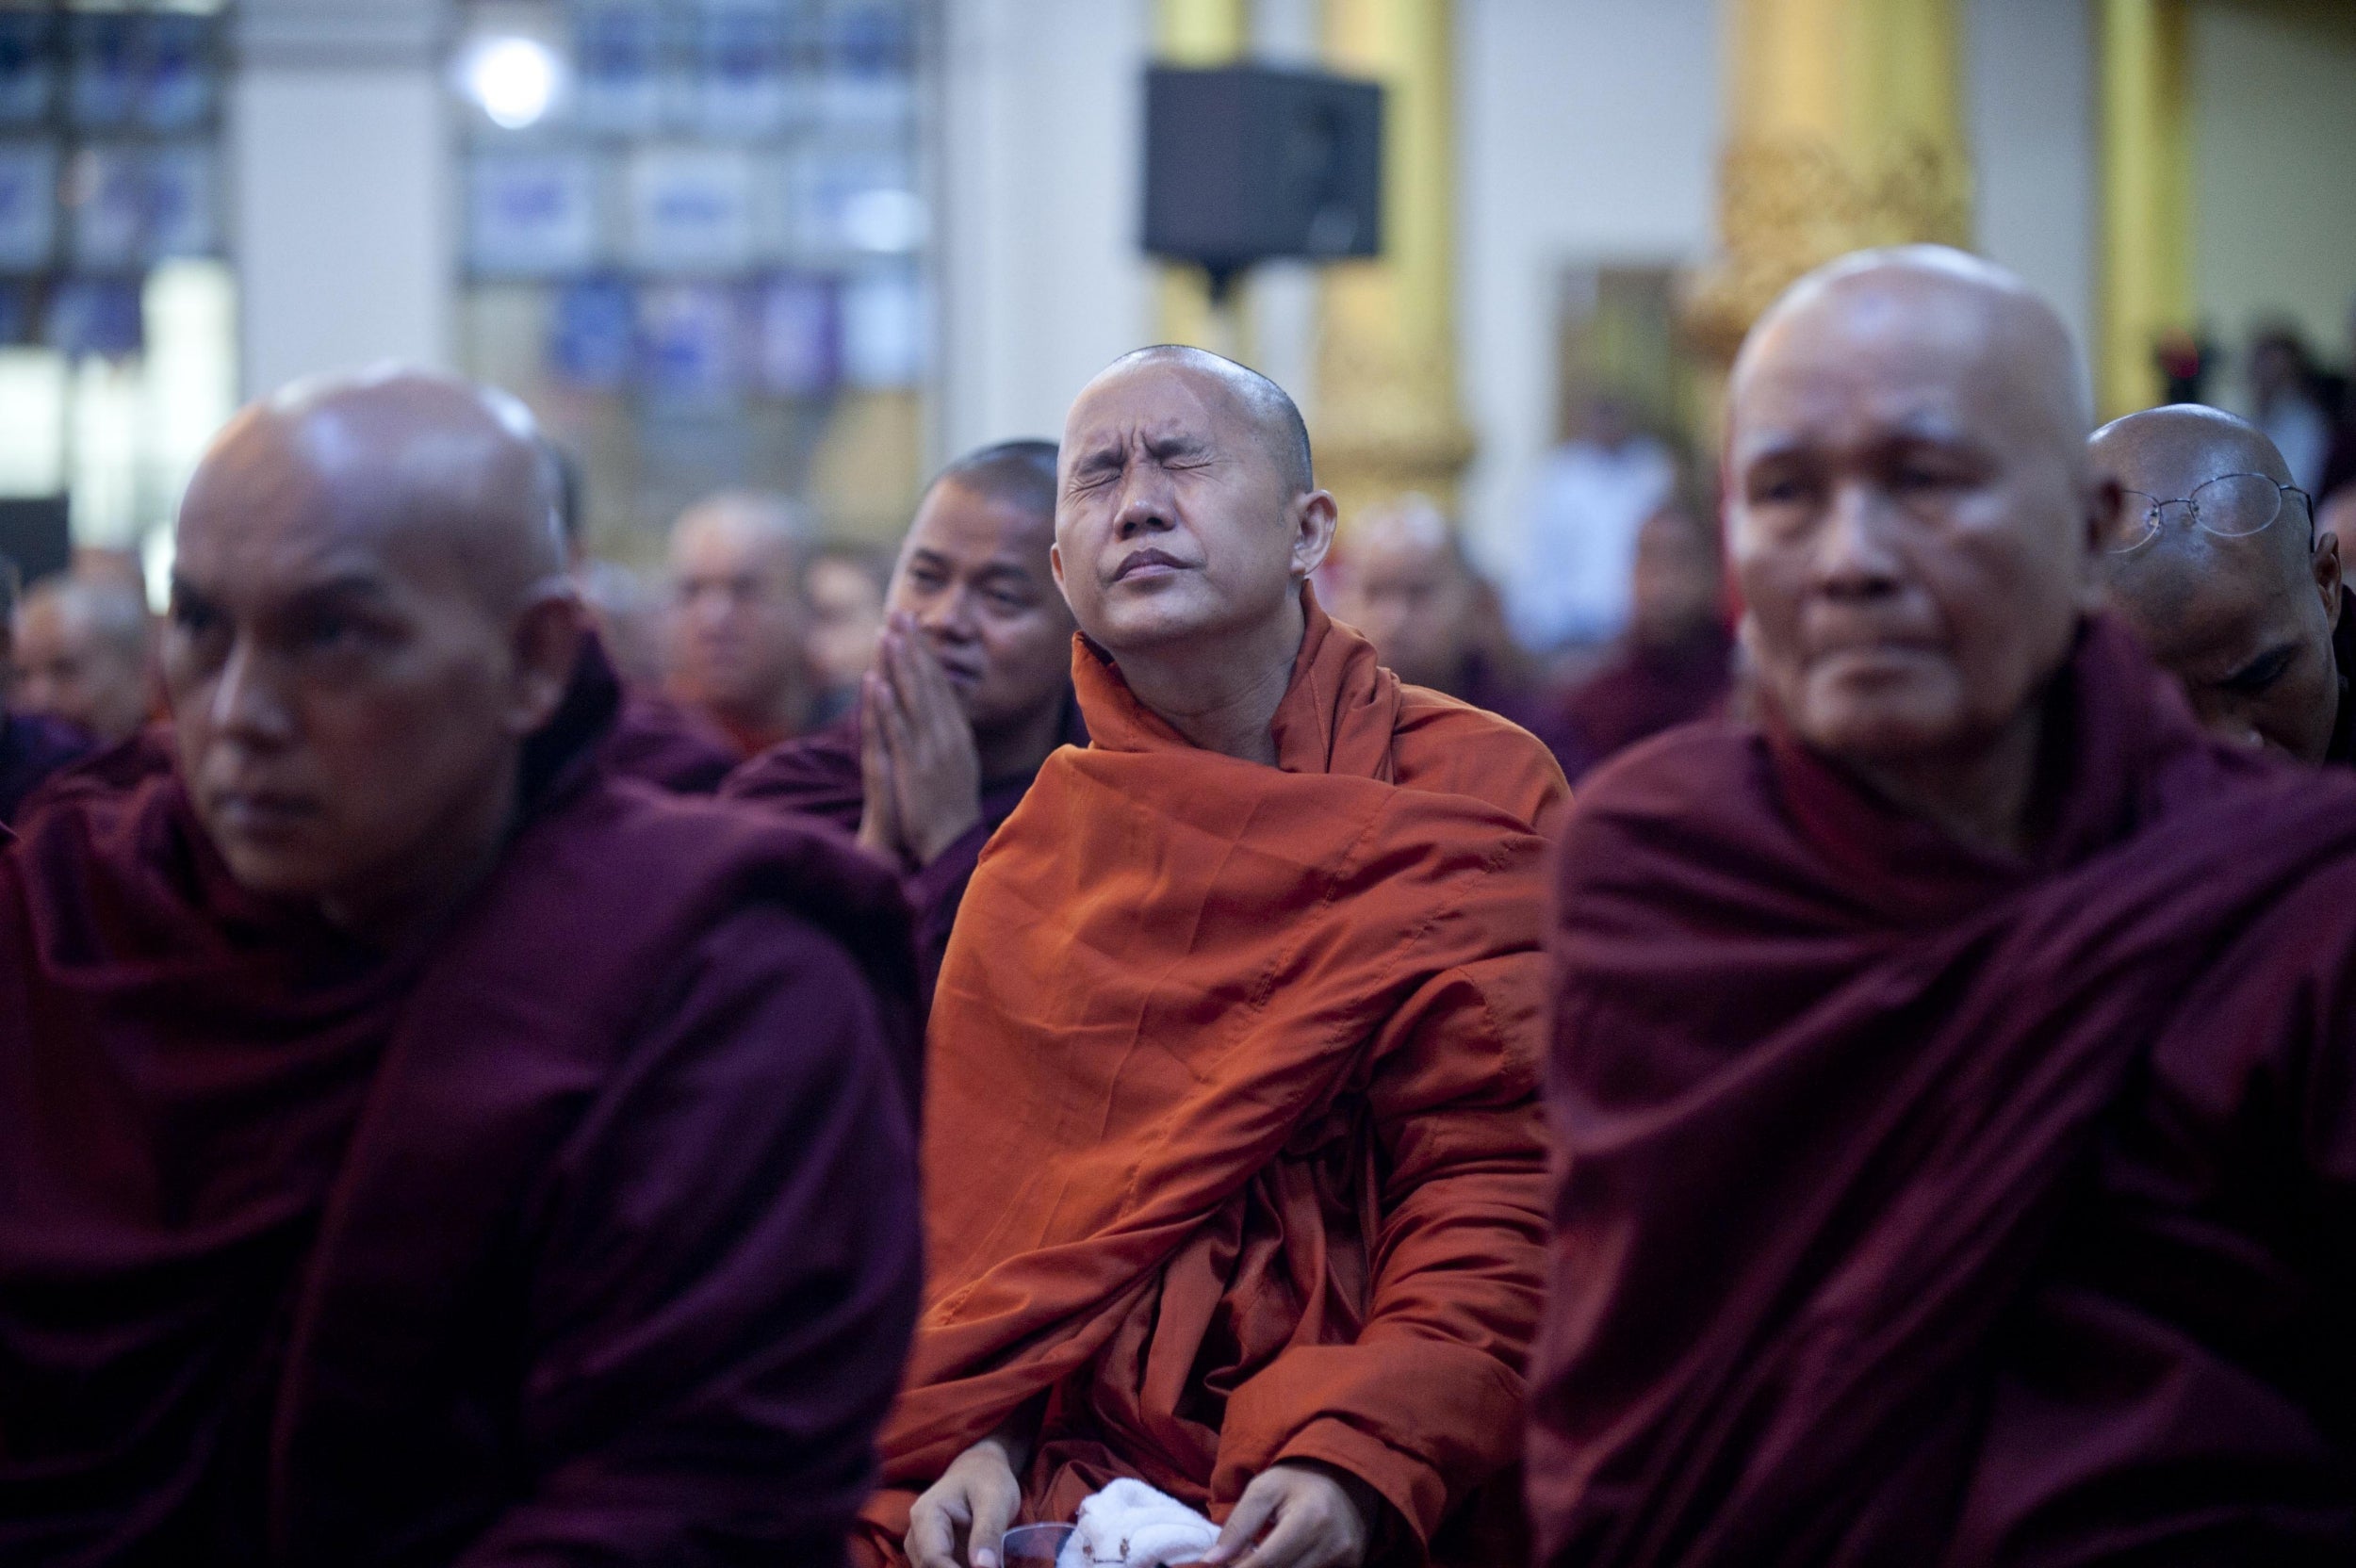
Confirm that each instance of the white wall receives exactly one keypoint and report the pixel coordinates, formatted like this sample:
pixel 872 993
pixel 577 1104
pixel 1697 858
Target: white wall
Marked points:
pixel 1041 281
pixel 1588 132
pixel 2030 99
pixel 340 164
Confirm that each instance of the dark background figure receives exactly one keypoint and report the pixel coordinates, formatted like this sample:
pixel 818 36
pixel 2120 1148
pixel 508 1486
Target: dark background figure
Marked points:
pixel 654 739
pixel 737 637
pixel 32 746
pixel 1677 659
pixel 970 692
pixel 84 653
pixel 1404 581
pixel 2293 401
pixel 417 1146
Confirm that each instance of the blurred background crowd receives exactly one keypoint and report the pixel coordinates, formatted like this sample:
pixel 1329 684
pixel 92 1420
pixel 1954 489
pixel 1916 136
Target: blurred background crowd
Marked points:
pixel 761 266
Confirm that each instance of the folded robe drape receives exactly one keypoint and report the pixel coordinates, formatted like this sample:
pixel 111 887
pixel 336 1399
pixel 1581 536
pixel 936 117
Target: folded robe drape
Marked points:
pixel 582 1230
pixel 1917 1208
pixel 1231 1145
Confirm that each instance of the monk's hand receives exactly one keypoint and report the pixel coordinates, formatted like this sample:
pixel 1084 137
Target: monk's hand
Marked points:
pixel 1308 1517
pixel 935 770
pixel 977 1495
pixel 880 817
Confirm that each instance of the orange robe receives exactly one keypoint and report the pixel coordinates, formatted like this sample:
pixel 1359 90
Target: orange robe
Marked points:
pixel 1232 1143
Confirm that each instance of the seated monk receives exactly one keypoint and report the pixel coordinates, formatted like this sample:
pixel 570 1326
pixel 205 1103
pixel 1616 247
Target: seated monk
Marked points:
pixel 416 1148
pixel 1435 621
pixel 1235 1161
pixel 654 739
pixel 85 654
pixel 736 633
pixel 2217 564
pixel 970 691
pixel 1958 1139
pixel 33 746
pixel 1675 662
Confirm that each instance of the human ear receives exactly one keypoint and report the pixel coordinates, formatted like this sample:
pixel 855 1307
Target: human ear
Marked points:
pixel 2105 502
pixel 1314 517
pixel 2328 570
pixel 545 645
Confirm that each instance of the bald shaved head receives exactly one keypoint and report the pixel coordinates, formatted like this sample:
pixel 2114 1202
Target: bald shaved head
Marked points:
pixel 1187 520
pixel 409 460
pixel 82 653
pixel 1269 408
pixel 370 616
pixel 2246 623
pixel 1912 516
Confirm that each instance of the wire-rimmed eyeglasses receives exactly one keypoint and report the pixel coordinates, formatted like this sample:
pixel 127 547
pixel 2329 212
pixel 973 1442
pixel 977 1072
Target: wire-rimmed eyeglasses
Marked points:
pixel 2231 506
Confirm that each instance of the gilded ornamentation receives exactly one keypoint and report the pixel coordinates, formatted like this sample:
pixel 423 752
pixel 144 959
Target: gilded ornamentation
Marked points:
pixel 1788 202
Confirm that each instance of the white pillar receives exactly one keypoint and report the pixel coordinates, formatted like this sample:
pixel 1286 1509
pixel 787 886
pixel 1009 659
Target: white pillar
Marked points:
pixel 341 162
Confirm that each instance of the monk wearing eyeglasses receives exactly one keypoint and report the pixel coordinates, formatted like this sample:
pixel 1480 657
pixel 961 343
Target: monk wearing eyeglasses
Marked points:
pixel 2217 563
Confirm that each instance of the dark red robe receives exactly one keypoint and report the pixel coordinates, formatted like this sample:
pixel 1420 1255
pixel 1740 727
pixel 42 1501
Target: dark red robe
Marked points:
pixel 818 776
pixel 1639 693
pixel 34 746
pixel 667 745
pixel 583 1229
pixel 1919 1208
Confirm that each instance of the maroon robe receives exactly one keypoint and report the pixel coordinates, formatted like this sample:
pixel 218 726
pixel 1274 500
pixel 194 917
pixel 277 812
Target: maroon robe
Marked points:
pixel 817 776
pixel 581 1229
pixel 1639 693
pixel 667 745
pixel 1917 1208
pixel 33 748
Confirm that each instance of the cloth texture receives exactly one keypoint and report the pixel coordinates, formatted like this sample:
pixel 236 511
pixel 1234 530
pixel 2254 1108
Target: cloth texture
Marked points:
pixel 1232 1146
pixel 1916 1206
pixel 583 1228
pixel 1130 1525
pixel 33 748
pixel 1639 693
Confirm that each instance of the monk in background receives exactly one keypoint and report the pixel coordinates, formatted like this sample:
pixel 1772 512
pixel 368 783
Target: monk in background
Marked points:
pixel 2218 566
pixel 416 1147
pixel 1435 621
pixel 1235 1164
pixel 1957 1144
pixel 84 652
pixel 738 618
pixel 1676 662
pixel 664 742
pixel 33 746
pixel 970 691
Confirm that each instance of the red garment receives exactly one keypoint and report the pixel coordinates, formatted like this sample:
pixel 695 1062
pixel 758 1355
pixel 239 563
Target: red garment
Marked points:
pixel 819 777
pixel 655 740
pixel 1640 693
pixel 34 747
pixel 581 1229
pixel 1231 1136
pixel 1919 1208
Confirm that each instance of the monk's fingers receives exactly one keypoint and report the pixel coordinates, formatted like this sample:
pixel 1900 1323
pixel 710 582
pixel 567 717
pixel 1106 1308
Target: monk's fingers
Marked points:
pixel 1252 1513
pixel 932 1538
pixel 995 1508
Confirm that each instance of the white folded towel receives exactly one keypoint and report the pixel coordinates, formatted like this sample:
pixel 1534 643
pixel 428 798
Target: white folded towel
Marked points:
pixel 1129 1525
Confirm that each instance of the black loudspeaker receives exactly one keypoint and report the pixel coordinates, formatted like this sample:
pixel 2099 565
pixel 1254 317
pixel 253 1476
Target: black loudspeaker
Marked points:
pixel 1248 163
pixel 33 535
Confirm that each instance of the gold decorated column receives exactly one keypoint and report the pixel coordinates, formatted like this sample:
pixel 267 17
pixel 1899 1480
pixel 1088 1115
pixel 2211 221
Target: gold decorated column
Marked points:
pixel 1200 33
pixel 2147 264
pixel 1846 131
pixel 1387 417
